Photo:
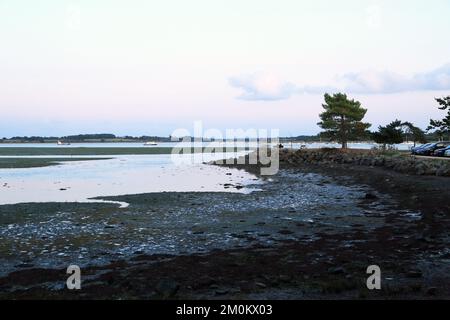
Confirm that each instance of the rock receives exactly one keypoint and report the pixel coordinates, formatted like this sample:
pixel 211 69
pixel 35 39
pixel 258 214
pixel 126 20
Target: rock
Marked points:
pixel 414 274
pixel 221 291
pixel 420 169
pixel 284 278
pixel 284 231
pixel 167 288
pixel 207 281
pixel 370 196
pixel 24 265
pixel 443 170
pixel 336 270
pixel 431 291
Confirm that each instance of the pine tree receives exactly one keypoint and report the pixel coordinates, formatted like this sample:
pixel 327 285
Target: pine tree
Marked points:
pixel 342 119
pixel 396 132
pixel 390 134
pixel 441 127
pixel 414 133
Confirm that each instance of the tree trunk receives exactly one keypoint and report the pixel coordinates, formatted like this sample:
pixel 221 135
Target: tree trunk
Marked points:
pixel 342 133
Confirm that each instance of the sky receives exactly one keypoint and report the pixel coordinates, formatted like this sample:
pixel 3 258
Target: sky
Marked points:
pixel 149 67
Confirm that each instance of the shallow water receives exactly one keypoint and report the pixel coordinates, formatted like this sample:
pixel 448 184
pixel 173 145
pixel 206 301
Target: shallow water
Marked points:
pixel 80 181
pixel 292 206
pixel 314 145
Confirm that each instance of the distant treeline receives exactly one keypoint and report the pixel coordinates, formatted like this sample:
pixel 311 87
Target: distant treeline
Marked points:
pixel 98 137
pixel 109 137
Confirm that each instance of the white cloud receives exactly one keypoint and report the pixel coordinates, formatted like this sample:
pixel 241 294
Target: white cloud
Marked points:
pixel 265 87
pixel 370 82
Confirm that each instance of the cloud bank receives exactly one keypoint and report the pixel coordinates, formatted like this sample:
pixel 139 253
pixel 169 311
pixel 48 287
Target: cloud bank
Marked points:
pixel 263 87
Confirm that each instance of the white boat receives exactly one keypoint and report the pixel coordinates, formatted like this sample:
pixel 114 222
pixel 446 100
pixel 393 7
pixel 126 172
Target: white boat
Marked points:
pixel 150 143
pixel 61 143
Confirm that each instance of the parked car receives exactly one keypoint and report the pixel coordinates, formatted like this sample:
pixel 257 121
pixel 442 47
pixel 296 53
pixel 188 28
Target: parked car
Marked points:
pixel 429 150
pixel 414 150
pixel 441 152
pixel 447 153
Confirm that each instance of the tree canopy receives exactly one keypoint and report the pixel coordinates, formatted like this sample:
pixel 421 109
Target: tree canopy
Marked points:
pixel 342 119
pixel 389 134
pixel 413 133
pixel 441 127
pixel 397 132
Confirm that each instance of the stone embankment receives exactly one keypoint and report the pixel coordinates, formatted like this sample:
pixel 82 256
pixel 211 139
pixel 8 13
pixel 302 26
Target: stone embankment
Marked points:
pixel 373 158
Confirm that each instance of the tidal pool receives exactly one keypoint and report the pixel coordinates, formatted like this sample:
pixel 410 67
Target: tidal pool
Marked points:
pixel 81 181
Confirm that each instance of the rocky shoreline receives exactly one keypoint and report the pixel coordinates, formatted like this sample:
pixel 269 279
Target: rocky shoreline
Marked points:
pixel 372 158
pixel 397 221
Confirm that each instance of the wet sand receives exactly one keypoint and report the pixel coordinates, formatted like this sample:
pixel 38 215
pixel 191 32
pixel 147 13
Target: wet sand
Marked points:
pixel 279 243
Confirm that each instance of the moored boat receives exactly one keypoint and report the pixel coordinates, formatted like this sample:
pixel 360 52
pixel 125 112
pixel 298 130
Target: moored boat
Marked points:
pixel 62 143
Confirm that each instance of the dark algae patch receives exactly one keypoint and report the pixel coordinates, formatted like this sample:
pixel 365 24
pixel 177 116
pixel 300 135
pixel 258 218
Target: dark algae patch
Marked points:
pixel 10 163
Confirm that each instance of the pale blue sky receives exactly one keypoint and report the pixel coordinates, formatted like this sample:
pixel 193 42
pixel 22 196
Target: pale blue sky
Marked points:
pixel 149 67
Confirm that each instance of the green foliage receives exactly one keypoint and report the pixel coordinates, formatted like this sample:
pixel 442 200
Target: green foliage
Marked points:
pixel 342 119
pixel 390 134
pixel 82 137
pixel 398 131
pixel 413 133
pixel 441 127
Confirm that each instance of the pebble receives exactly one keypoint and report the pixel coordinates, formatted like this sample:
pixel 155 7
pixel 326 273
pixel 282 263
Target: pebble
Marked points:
pixel 336 270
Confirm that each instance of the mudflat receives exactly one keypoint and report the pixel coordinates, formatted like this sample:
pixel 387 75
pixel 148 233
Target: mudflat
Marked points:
pixel 310 233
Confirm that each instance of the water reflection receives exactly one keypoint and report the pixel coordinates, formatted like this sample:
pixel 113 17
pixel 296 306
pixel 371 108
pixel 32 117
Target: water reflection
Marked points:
pixel 80 181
